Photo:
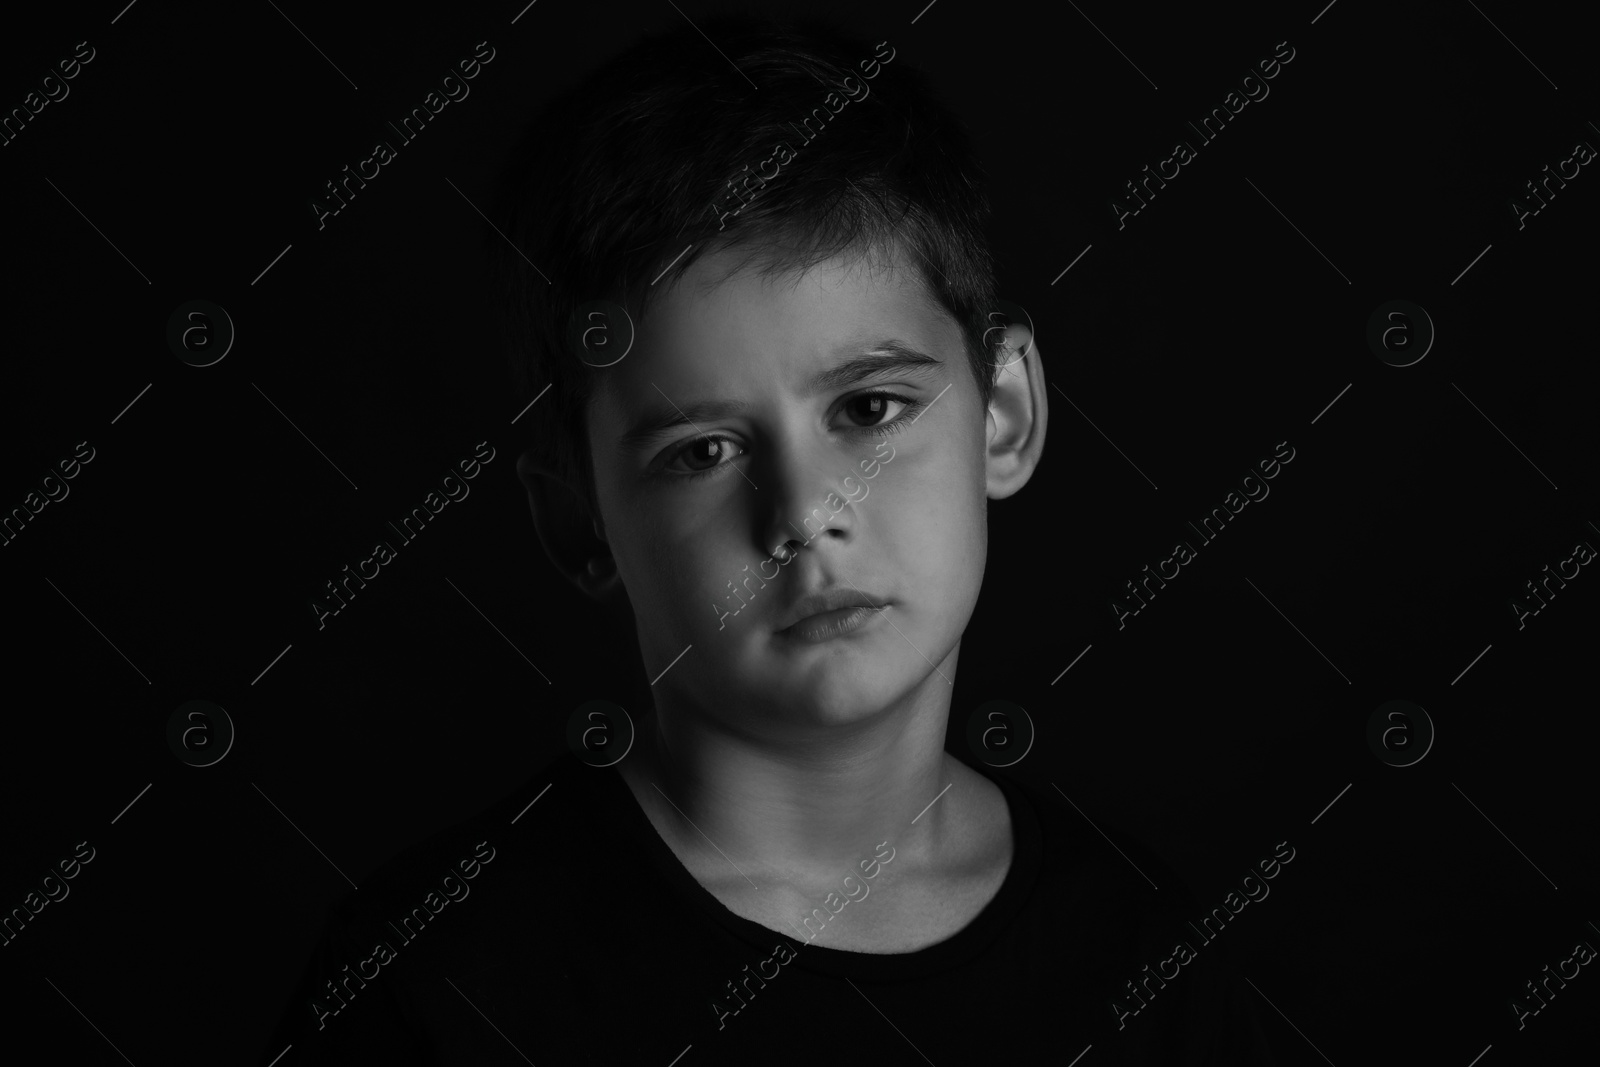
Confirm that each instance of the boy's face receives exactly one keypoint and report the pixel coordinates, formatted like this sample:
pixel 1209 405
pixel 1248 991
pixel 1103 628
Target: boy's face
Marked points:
pixel 902 516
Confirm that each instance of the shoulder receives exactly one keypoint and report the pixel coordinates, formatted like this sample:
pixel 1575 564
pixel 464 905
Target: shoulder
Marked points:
pixel 1091 879
pixel 473 899
pixel 1107 899
pixel 508 820
pixel 475 868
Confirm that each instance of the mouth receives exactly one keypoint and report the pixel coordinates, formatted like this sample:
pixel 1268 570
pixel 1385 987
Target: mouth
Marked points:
pixel 827 625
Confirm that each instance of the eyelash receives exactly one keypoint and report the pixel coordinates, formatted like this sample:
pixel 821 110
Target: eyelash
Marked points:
pixel 881 430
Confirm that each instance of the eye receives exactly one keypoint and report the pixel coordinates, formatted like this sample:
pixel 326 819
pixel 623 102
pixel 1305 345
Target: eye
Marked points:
pixel 710 453
pixel 874 405
pixel 712 449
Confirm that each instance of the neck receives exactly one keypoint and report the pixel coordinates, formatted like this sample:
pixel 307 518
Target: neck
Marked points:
pixel 799 802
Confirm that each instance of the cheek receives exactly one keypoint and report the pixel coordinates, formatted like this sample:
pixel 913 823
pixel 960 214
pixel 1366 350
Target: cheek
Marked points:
pixel 679 572
pixel 915 522
pixel 949 519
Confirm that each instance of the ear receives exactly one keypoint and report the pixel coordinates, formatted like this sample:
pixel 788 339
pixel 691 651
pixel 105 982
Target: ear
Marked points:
pixel 1017 415
pixel 573 540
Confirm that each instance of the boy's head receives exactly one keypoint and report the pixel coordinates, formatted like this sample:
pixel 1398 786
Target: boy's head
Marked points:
pixel 845 287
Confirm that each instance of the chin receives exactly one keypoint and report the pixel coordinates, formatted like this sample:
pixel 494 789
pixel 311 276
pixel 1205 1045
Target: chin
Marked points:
pixel 838 694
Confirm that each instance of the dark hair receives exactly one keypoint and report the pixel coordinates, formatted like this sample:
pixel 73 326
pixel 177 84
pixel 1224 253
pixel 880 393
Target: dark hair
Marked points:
pixel 617 175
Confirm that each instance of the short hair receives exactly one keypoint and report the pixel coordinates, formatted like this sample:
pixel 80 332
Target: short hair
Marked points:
pixel 617 175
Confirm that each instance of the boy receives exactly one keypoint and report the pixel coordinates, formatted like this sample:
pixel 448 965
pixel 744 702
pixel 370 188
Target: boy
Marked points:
pixel 780 474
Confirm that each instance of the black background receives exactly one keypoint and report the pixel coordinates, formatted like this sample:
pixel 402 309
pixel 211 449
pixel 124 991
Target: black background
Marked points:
pixel 1224 718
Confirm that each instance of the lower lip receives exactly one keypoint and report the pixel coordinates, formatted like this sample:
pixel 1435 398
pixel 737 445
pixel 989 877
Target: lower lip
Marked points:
pixel 831 624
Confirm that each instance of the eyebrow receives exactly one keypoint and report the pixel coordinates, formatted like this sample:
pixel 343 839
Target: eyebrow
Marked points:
pixel 881 357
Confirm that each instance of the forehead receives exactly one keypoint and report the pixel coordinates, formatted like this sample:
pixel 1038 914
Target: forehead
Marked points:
pixel 727 328
pixel 743 279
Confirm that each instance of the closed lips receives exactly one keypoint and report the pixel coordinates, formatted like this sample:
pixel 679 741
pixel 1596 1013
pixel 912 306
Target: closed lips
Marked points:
pixel 832 600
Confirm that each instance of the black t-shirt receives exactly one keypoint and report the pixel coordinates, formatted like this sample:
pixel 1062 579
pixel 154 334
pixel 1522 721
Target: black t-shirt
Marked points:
pixel 568 932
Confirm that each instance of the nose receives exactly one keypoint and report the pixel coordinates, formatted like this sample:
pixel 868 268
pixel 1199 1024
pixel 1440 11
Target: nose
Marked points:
pixel 803 497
